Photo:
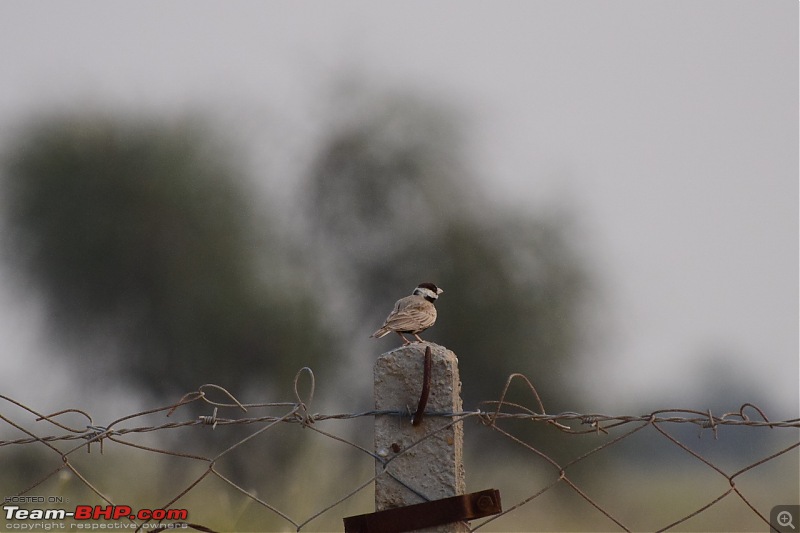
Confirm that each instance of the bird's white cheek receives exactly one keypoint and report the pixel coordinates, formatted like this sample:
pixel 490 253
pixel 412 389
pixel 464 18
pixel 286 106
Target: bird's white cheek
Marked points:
pixel 427 293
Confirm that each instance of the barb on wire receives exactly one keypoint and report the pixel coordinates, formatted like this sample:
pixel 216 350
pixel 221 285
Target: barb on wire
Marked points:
pixel 210 420
pixel 96 434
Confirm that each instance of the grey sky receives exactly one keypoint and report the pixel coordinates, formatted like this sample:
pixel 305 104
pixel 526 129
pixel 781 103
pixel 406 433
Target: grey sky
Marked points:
pixel 671 128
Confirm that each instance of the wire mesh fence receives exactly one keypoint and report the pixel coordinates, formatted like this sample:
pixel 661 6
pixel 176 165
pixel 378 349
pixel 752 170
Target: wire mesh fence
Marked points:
pixel 169 467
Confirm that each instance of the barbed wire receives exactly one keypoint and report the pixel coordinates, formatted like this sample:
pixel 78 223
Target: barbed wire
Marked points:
pixel 489 414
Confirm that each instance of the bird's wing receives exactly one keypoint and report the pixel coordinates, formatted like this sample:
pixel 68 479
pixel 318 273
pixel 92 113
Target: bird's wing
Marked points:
pixel 413 316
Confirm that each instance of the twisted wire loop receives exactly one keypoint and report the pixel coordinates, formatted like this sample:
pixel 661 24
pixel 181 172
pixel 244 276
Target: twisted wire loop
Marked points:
pixel 304 417
pixel 52 432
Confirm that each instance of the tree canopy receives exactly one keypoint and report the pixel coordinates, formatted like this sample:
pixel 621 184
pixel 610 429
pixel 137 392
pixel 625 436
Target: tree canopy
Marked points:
pixel 143 232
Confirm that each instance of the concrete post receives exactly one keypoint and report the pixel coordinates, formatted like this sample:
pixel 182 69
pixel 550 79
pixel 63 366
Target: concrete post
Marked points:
pixel 434 468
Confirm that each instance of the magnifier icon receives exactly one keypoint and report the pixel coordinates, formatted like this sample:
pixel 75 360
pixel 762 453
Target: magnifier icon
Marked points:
pixel 784 519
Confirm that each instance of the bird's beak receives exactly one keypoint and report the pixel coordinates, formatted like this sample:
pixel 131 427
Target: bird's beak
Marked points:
pixel 439 290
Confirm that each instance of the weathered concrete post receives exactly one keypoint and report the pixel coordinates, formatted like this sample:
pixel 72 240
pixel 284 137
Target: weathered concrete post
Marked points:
pixel 432 469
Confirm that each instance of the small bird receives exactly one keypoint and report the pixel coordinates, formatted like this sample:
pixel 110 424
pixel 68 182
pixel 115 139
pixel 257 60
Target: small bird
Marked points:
pixel 412 314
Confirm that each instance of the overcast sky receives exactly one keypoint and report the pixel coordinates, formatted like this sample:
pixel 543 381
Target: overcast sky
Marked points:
pixel 670 129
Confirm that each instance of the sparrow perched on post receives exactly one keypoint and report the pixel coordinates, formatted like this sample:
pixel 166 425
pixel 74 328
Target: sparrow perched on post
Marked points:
pixel 412 314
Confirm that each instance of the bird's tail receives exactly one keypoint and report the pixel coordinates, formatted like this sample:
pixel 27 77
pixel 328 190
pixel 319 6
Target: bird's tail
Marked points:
pixel 380 333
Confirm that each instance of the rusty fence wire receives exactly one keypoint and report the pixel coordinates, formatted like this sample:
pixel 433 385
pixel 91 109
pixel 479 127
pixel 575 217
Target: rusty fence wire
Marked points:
pixel 587 486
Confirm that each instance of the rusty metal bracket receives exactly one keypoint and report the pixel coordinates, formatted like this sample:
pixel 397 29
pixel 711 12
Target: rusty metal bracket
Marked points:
pixel 427 514
pixel 426 389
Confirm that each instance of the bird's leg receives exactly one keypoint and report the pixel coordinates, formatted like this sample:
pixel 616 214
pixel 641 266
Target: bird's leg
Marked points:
pixel 417 336
pixel 406 342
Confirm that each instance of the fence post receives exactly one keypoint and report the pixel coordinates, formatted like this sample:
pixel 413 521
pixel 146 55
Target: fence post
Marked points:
pixel 432 469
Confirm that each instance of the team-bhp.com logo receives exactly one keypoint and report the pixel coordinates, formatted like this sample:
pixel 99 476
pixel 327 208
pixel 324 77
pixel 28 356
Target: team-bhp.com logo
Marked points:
pixel 89 513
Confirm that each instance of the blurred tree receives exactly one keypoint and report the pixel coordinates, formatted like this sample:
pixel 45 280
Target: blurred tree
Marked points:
pixel 392 203
pixel 143 233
